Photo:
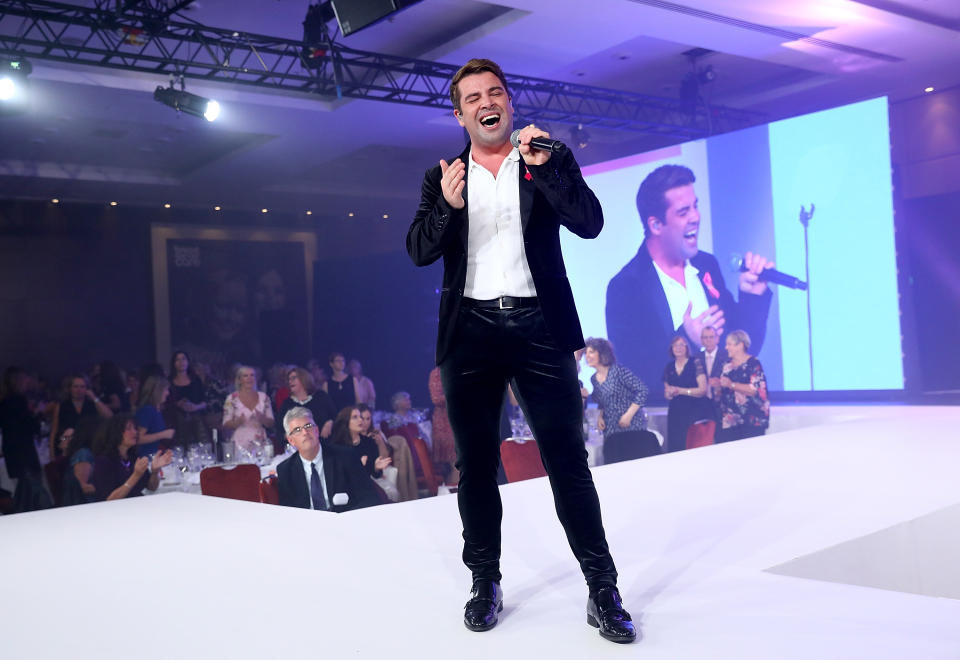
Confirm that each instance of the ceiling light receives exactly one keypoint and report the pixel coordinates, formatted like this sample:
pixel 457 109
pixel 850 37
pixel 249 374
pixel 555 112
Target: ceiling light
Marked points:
pixel 166 206
pixel 216 208
pixel 309 212
pixel 13 75
pixel 263 210
pixel 54 201
pixel 385 216
pixel 191 104
pixel 928 90
pixel 350 215
pixel 113 203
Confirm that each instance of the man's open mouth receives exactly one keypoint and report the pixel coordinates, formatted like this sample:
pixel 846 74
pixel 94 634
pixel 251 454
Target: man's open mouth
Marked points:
pixel 691 234
pixel 490 121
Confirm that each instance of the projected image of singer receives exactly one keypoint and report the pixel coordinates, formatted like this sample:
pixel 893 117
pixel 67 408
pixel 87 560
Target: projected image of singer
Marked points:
pixel 493 214
pixel 671 287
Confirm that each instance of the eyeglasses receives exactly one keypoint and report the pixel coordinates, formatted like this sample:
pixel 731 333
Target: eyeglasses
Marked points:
pixel 297 430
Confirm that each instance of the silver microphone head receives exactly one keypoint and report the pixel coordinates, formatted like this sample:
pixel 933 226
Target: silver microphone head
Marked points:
pixel 736 262
pixel 515 138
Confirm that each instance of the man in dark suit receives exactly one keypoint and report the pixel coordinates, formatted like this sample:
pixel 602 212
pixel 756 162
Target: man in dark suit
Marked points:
pixel 319 475
pixel 712 358
pixel 507 315
pixel 671 287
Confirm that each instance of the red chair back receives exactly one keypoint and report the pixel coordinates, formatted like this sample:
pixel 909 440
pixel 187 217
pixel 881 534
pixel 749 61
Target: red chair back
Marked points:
pixel 521 460
pixel 700 434
pixel 239 483
pixel 426 479
pixel 269 490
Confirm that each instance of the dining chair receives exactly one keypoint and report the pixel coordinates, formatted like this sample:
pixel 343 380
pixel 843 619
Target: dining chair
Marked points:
pixel 240 482
pixel 270 490
pixel 521 460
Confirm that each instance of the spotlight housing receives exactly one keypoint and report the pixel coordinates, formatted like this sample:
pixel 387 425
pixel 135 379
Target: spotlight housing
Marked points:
pixel 13 76
pixel 191 104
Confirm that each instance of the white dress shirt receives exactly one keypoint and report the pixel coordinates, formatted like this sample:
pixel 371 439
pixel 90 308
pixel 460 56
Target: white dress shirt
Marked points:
pixel 679 296
pixel 496 259
pixel 308 470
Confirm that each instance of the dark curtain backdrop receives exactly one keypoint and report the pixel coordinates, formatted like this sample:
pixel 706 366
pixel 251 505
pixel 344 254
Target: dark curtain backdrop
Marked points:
pixel 381 310
pixel 932 241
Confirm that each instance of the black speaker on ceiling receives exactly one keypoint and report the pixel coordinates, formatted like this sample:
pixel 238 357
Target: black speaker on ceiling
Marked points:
pixel 353 15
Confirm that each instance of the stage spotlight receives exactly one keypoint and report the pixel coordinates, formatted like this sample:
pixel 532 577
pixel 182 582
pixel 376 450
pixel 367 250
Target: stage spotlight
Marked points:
pixel 191 104
pixel 928 90
pixel 13 75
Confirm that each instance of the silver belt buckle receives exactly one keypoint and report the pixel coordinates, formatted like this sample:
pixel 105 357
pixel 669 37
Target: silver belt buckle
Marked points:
pixel 500 301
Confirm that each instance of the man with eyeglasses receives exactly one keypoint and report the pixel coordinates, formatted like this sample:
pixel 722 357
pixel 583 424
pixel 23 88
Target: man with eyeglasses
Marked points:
pixel 320 475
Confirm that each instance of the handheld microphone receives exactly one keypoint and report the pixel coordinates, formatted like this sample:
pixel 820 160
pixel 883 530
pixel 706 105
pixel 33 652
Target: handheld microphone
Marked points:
pixel 539 143
pixel 768 274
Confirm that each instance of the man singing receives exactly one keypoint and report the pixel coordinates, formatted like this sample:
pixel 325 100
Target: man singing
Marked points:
pixel 672 287
pixel 507 316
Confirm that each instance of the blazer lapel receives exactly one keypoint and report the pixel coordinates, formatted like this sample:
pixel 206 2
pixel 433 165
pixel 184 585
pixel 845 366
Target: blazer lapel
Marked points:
pixel 465 227
pixel 303 488
pixel 646 271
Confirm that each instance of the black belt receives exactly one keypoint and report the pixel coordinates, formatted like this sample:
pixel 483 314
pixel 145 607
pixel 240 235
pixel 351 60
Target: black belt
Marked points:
pixel 503 302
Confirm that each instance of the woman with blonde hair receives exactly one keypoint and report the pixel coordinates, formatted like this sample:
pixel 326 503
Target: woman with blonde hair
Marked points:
pixel 247 413
pixel 744 404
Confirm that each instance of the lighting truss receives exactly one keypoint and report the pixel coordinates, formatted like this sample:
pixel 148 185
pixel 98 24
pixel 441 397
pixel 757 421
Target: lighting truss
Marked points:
pixel 128 36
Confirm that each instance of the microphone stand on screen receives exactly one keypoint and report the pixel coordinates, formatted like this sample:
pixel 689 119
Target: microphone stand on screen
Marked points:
pixel 805 221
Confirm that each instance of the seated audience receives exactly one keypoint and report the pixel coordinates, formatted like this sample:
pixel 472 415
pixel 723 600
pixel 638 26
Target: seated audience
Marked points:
pixel 318 472
pixel 684 386
pixel 401 474
pixel 78 486
pixel 303 393
pixel 348 431
pixel 117 472
pixel 366 393
pixel 18 426
pixel 620 396
pixel 111 387
pixel 151 427
pixel 80 402
pixel 402 411
pixel 744 405
pixel 247 412
pixel 341 386
pixel 187 402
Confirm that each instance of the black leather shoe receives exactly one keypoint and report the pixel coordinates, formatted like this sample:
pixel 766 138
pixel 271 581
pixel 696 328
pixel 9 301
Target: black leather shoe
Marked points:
pixel 486 602
pixel 605 611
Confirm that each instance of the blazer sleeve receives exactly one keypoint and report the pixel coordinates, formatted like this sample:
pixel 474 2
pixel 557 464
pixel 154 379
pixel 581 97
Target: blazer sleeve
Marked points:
pixel 285 485
pixel 436 223
pixel 561 182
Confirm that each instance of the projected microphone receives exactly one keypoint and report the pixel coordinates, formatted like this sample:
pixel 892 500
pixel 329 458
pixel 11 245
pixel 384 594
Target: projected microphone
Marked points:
pixel 539 143
pixel 768 274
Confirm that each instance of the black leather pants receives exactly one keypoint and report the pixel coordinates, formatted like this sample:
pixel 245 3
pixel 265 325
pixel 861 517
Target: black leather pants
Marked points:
pixel 492 347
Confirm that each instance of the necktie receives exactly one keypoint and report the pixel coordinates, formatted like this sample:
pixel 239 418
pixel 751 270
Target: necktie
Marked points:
pixel 316 489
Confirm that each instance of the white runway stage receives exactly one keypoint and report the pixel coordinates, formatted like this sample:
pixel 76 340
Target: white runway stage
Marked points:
pixel 845 504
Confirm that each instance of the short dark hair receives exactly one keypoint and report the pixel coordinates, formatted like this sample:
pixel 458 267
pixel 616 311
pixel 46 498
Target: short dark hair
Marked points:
pixel 650 196
pixel 473 67
pixel 673 341
pixel 305 378
pixel 604 350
